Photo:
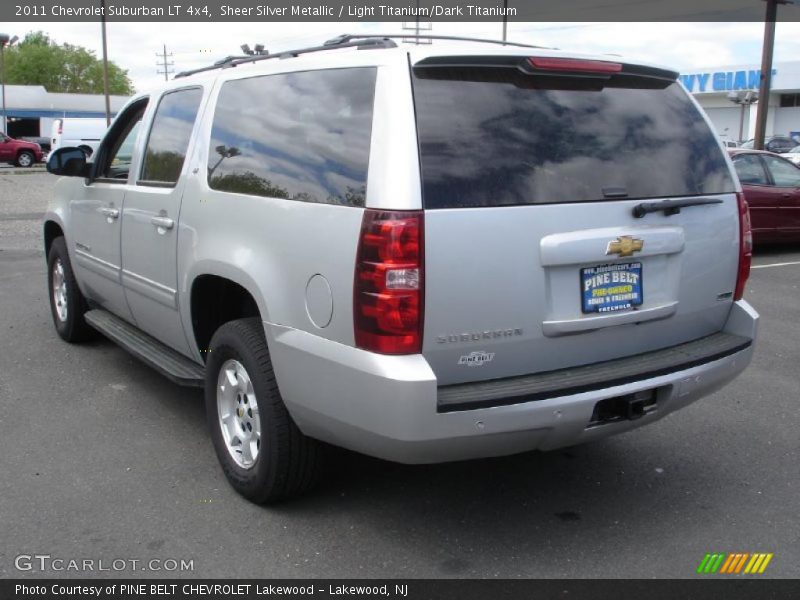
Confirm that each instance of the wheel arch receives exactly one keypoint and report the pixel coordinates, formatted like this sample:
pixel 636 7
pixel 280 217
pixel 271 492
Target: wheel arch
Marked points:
pixel 214 298
pixel 52 229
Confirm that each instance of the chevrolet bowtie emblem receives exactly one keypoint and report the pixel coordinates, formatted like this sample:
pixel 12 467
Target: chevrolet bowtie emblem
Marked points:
pixel 624 245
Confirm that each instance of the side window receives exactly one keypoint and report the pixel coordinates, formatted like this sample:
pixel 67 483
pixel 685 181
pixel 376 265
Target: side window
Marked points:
pixel 113 159
pixel 750 170
pixel 169 136
pixel 784 174
pixel 300 136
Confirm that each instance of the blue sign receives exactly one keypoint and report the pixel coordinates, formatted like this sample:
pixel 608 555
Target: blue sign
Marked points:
pixel 609 288
pixel 723 81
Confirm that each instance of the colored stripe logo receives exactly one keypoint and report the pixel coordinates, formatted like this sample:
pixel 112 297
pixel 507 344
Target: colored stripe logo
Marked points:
pixel 734 563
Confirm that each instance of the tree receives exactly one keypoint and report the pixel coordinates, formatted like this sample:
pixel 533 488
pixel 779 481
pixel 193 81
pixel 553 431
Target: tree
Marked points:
pixel 38 60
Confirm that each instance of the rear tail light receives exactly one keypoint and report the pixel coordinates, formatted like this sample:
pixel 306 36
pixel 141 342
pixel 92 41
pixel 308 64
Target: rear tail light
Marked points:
pixel 389 282
pixel 745 246
pixel 60 127
pixel 549 63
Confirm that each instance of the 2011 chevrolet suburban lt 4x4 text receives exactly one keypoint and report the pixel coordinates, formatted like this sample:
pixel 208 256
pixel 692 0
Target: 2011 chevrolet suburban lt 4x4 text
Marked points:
pixel 451 251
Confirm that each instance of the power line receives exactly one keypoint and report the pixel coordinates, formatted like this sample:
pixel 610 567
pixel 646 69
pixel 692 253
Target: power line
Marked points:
pixel 165 63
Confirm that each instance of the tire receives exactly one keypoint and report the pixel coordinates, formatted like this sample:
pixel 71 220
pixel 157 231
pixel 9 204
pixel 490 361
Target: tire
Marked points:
pixel 68 306
pixel 272 460
pixel 25 159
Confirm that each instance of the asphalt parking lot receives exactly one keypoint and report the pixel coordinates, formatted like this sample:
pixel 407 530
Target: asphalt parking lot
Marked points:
pixel 102 458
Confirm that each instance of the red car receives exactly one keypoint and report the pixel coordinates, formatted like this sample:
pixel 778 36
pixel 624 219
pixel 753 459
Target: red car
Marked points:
pixel 771 187
pixel 17 152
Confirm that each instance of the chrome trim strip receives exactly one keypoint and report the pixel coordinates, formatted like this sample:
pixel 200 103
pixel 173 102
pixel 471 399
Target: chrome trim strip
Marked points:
pixel 150 289
pixel 566 327
pixel 97 265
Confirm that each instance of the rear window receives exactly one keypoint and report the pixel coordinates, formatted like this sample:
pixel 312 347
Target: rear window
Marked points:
pixel 299 136
pixel 499 137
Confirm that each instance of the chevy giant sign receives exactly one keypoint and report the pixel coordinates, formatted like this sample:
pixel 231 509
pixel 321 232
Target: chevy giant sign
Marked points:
pixel 723 81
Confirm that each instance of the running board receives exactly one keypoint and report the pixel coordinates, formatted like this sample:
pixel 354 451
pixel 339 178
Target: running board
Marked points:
pixel 150 351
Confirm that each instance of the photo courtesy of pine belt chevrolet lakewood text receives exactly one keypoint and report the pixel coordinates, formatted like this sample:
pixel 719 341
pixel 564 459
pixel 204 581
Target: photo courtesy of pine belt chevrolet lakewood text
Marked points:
pixel 424 254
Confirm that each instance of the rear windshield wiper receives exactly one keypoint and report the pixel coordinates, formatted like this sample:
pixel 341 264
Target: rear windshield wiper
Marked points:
pixel 670 207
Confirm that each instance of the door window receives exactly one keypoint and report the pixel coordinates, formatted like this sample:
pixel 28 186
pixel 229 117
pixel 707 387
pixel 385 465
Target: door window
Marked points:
pixel 113 162
pixel 784 174
pixel 169 136
pixel 750 170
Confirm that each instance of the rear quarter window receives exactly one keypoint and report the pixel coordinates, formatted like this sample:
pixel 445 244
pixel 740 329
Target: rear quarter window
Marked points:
pixel 300 136
pixel 499 137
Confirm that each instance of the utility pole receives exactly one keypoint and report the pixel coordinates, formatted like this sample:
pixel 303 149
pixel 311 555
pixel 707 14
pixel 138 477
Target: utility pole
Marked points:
pixel 105 61
pixel 505 20
pixel 416 27
pixel 766 72
pixel 165 63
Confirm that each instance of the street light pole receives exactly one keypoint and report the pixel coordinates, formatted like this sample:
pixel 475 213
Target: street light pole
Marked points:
pixel 3 42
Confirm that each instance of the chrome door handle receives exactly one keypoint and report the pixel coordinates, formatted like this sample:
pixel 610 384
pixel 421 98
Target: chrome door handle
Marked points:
pixel 164 222
pixel 111 213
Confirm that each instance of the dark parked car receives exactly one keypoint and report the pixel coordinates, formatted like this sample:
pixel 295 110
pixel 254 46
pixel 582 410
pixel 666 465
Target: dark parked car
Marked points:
pixel 22 154
pixel 775 143
pixel 771 187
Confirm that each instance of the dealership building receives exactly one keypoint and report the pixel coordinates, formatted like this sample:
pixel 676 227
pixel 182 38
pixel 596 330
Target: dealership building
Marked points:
pixel 31 109
pixel 713 86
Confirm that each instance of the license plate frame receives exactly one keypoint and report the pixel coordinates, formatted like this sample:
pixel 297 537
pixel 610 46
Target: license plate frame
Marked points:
pixel 600 295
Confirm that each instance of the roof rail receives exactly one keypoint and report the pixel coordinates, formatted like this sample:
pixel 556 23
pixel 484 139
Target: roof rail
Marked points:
pixel 360 42
pixel 349 38
pixel 345 41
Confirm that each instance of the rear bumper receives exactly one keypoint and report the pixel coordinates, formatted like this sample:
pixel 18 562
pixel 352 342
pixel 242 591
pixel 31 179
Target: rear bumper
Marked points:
pixel 387 406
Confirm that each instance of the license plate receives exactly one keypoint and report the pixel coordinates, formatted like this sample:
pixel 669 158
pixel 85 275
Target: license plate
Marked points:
pixel 609 288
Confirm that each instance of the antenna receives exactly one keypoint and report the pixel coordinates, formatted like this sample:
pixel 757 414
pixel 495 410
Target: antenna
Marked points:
pixel 165 63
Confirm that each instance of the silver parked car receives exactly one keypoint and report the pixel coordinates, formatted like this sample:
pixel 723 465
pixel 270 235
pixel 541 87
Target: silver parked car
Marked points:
pixel 423 254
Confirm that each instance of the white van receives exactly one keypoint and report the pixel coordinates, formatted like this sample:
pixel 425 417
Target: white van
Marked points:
pixel 77 133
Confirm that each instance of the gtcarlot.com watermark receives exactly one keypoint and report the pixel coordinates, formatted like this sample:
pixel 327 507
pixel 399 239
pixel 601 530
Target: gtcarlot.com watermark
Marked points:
pixel 44 563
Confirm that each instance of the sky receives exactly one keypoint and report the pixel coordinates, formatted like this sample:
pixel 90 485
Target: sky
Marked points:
pixel 682 46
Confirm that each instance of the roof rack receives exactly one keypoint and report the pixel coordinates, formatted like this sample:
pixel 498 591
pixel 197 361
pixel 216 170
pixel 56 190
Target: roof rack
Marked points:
pixel 233 61
pixel 348 38
pixel 361 42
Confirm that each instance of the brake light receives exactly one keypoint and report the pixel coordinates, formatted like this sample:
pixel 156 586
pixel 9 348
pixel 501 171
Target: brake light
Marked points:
pixel 389 292
pixel 60 127
pixel 574 64
pixel 745 246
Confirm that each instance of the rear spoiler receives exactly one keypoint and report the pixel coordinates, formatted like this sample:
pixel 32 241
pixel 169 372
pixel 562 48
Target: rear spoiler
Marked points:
pixel 551 66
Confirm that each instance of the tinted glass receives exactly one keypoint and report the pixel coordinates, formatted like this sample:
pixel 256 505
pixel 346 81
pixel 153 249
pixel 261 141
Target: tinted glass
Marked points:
pixel 494 137
pixel 301 136
pixel 116 151
pixel 169 135
pixel 784 174
pixel 750 170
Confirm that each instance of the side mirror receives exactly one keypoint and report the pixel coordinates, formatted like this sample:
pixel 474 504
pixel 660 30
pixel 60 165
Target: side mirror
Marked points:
pixel 69 162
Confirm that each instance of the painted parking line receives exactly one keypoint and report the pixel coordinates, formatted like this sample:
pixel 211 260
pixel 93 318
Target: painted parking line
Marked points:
pixel 780 264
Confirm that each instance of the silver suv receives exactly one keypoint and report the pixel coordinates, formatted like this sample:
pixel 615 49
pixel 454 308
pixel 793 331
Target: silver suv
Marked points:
pixel 423 254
